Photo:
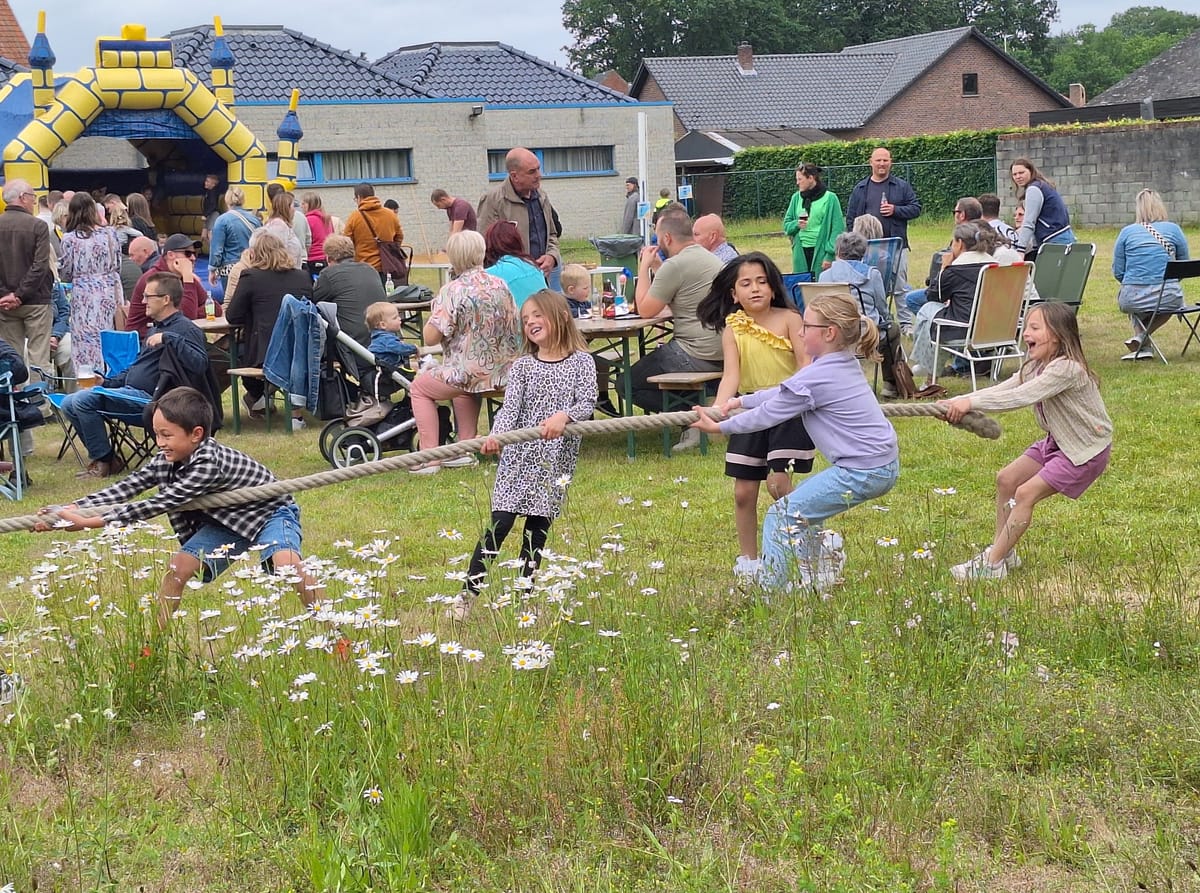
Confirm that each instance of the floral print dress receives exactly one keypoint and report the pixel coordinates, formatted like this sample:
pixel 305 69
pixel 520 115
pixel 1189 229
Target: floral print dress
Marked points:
pixel 533 476
pixel 482 332
pixel 91 262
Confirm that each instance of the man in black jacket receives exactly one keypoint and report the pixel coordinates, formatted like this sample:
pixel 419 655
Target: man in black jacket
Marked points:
pixel 893 201
pixel 172 331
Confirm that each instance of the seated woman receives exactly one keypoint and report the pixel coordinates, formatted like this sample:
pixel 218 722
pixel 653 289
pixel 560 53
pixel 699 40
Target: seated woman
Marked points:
pixel 269 273
pixel 1139 261
pixel 952 293
pixel 848 267
pixel 506 258
pixel 477 324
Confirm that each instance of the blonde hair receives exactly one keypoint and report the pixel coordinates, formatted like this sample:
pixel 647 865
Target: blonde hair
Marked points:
pixel 378 313
pixel 338 248
pixel 854 330
pixel 1149 207
pixel 118 215
pixel 268 252
pixel 465 249
pixel 235 197
pixel 575 274
pixel 565 337
pixel 868 225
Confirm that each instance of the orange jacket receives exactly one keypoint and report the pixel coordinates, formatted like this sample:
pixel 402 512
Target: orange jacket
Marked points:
pixel 387 228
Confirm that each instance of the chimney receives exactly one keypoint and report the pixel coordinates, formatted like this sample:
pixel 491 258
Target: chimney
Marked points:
pixel 1078 95
pixel 745 57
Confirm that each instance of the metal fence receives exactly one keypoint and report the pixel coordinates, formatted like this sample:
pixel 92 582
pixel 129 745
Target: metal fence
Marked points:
pixel 739 195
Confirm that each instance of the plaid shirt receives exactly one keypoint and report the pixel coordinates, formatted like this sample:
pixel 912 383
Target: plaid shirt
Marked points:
pixel 212 468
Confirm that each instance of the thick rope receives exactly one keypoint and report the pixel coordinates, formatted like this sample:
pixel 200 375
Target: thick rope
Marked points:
pixel 975 422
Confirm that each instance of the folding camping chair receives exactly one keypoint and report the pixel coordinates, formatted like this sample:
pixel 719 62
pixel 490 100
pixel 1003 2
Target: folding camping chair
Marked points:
pixel 792 283
pixel 1176 270
pixel 13 485
pixel 118 351
pixel 993 333
pixel 884 256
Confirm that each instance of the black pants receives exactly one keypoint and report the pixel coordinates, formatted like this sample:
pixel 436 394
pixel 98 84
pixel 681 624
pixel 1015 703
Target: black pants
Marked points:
pixel 533 541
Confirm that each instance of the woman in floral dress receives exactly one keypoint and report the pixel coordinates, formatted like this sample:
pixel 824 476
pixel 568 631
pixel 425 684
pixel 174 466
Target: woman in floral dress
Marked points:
pixel 90 259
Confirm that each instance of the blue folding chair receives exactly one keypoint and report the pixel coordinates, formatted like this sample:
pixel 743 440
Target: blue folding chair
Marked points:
pixel 11 398
pixel 792 283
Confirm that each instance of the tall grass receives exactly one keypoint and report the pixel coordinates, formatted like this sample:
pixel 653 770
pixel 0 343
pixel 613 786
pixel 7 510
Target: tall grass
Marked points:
pixel 635 720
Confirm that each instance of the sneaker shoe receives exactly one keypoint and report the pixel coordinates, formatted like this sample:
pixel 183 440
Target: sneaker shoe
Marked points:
pixel 10 685
pixel 461 461
pixel 98 468
pixel 689 440
pixel 1142 354
pixel 427 468
pixel 256 409
pixel 979 568
pixel 298 424
pixel 747 568
pixel 888 391
pixel 459 609
pixel 1134 343
pixel 1012 560
pixel 606 406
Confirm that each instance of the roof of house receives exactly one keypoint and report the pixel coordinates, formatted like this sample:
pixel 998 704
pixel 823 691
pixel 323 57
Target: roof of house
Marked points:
pixel 272 60
pixel 829 91
pixel 1173 74
pixel 14 44
pixel 8 68
pixel 493 72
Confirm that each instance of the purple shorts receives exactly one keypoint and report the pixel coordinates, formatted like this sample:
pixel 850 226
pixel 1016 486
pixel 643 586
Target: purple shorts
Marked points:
pixel 1060 473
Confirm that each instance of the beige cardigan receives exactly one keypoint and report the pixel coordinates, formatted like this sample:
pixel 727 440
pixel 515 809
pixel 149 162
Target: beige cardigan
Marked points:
pixel 1069 409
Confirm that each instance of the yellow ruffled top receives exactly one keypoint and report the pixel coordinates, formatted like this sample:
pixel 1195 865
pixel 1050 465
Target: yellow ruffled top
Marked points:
pixel 766 358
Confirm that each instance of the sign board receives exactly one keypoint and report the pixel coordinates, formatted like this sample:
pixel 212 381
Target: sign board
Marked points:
pixel 685 192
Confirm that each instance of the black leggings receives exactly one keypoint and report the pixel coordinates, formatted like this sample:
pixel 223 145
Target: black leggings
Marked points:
pixel 533 540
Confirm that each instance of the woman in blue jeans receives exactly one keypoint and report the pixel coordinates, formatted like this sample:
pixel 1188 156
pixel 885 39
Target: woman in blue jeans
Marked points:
pixel 840 411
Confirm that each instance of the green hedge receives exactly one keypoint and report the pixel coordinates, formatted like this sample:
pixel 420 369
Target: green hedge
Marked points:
pixel 941 169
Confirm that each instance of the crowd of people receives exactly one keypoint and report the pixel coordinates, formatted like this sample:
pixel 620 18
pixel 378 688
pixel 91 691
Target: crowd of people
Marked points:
pixel 504 321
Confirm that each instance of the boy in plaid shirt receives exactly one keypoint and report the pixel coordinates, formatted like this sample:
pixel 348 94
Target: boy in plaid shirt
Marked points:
pixel 191 464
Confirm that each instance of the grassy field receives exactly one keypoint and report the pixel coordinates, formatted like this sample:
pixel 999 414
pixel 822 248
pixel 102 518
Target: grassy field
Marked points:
pixel 634 722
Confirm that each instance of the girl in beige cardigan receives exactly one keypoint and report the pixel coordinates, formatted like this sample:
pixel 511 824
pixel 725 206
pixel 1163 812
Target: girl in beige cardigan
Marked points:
pixel 1057 382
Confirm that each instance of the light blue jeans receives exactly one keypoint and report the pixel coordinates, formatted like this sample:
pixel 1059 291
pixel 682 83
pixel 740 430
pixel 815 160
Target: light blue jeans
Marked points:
pixel 792 527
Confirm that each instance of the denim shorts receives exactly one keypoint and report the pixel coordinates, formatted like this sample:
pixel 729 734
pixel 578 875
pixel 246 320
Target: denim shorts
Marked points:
pixel 215 545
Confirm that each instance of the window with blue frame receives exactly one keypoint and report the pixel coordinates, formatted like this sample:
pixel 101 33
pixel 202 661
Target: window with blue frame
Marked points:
pixel 365 166
pixel 565 161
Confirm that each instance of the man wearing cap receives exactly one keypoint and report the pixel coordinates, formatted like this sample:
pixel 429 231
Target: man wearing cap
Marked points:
pixel 629 219
pixel 179 257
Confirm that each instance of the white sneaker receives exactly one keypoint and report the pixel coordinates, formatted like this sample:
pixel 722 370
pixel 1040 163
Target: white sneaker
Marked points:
pixel 298 424
pixel 1143 354
pixel 979 568
pixel 689 440
pixel 428 468
pixel 460 461
pixel 747 568
pixel 1012 560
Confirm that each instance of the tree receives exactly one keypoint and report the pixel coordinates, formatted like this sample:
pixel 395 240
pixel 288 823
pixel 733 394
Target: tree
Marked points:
pixel 1099 58
pixel 620 33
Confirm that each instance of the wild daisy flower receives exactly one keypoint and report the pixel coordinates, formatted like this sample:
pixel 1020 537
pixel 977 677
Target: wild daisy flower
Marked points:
pixel 407 677
pixel 373 795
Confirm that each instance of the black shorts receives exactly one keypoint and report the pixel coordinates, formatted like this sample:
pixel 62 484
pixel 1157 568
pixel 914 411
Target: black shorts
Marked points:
pixel 786 447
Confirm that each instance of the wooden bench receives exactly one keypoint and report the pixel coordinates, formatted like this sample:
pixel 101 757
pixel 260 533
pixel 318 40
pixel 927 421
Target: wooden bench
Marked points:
pixel 236 375
pixel 682 390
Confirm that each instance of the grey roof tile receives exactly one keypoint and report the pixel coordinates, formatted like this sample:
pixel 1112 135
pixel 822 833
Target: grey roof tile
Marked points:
pixel 271 60
pixel 493 72
pixel 829 91
pixel 914 56
pixel 8 68
pixel 1174 74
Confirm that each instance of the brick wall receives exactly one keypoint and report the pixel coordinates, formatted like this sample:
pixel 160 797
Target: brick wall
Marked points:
pixel 934 103
pixel 1099 171
pixel 652 92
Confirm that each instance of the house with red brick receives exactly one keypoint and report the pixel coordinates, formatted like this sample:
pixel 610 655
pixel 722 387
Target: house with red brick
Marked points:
pixel 928 83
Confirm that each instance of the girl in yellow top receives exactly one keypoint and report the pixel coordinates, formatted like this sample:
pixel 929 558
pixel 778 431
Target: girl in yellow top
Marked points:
pixel 762 338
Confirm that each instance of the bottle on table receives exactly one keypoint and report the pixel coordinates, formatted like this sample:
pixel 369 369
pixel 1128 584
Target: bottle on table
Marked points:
pixel 389 286
pixel 210 308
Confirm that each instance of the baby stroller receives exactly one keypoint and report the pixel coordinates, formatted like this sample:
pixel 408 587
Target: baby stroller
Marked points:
pixel 376 423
